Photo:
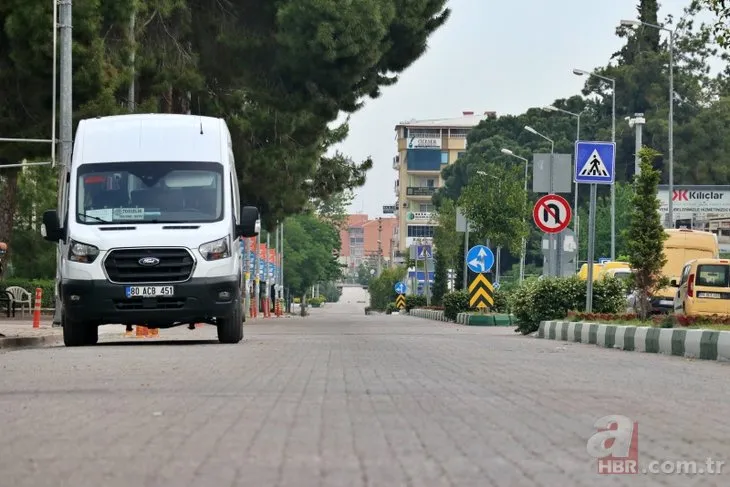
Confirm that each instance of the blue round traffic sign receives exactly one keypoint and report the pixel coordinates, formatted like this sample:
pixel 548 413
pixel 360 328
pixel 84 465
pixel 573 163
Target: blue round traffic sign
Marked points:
pixel 400 288
pixel 480 259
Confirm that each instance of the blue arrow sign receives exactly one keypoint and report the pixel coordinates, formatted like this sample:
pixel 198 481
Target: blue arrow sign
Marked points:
pixel 400 288
pixel 595 162
pixel 480 259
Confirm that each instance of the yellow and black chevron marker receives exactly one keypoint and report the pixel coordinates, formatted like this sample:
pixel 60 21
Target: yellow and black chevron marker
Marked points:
pixel 481 292
pixel 400 301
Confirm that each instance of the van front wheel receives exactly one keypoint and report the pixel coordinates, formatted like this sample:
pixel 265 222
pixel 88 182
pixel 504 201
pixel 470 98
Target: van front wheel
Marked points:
pixel 78 333
pixel 230 328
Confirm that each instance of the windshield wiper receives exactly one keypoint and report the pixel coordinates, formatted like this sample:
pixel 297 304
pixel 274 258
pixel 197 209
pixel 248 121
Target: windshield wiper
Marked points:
pixel 93 217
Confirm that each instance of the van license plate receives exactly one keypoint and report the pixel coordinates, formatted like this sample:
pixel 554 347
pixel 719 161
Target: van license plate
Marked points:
pixel 709 295
pixel 150 291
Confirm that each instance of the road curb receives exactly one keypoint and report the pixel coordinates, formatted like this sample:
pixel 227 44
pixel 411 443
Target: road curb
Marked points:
pixel 464 318
pixel 429 314
pixel 697 344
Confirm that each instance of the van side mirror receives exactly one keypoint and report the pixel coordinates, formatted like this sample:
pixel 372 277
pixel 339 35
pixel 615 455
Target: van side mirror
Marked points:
pixel 250 225
pixel 51 227
pixel 673 283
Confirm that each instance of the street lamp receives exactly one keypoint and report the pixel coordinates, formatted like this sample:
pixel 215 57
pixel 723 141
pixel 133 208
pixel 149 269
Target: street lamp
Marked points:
pixel 638 23
pixel 524 240
pixel 581 72
pixel 551 236
pixel 576 227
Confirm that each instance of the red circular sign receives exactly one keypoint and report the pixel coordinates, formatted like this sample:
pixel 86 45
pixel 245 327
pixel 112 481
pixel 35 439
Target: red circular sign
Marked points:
pixel 552 213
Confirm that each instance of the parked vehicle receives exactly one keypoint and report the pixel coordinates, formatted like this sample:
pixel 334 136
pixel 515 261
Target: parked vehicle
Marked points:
pixel 681 246
pixel 149 227
pixel 703 288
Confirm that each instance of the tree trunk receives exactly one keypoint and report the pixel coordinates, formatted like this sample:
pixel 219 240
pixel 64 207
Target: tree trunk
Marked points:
pixel 303 311
pixel 8 203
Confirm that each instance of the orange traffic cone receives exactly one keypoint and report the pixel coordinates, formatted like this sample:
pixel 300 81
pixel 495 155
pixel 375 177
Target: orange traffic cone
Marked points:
pixel 142 331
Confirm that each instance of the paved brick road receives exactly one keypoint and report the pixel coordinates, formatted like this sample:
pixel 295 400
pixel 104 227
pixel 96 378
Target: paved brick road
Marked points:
pixel 340 399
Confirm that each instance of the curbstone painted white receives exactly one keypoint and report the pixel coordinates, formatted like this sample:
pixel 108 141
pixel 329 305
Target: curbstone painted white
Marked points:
pixel 699 344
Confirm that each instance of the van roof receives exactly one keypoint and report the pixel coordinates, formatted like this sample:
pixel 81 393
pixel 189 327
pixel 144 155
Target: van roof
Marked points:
pixel 149 137
pixel 710 261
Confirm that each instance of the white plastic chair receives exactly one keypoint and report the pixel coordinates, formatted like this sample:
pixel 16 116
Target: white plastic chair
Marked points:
pixel 21 297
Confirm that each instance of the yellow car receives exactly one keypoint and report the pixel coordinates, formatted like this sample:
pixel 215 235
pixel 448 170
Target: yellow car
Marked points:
pixel 703 288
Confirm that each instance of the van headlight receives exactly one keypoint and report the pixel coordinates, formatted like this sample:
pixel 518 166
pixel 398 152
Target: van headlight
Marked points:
pixel 215 250
pixel 81 252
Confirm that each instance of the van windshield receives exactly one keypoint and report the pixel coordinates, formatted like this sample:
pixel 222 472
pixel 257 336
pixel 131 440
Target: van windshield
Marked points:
pixel 149 192
pixel 713 275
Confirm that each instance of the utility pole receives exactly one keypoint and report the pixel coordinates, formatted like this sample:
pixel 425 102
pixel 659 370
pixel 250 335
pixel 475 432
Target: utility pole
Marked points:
pixel 637 122
pixel 133 46
pixel 65 25
pixel 380 245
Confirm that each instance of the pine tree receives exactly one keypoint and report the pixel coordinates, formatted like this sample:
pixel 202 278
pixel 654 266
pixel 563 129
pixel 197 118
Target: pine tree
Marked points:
pixel 439 281
pixel 646 235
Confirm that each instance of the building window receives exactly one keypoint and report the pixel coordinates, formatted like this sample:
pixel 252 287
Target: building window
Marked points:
pixel 424 133
pixel 420 231
pixel 425 208
pixel 430 183
pixel 444 157
pixel 460 154
pixel 458 133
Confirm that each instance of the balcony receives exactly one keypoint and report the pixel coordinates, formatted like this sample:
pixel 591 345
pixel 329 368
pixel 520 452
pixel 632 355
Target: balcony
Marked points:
pixel 420 191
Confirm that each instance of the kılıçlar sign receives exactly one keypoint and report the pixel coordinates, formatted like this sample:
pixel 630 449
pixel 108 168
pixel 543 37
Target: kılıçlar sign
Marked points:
pixel 688 201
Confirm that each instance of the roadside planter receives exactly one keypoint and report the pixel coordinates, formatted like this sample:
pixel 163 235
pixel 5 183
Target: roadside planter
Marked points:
pixel 492 319
pixel 690 343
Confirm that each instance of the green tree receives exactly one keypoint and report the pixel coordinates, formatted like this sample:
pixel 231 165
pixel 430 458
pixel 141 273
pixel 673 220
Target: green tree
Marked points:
pixel 495 203
pixel 645 235
pixel 308 249
pixel 440 277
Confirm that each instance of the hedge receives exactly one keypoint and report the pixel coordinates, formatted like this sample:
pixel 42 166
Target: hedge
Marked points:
pixel 551 298
pixel 47 285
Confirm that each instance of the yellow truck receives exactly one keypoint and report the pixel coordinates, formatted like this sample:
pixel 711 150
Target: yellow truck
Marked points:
pixel 599 270
pixel 681 246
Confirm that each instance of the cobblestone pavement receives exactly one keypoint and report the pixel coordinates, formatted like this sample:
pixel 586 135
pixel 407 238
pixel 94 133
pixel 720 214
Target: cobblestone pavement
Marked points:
pixel 344 400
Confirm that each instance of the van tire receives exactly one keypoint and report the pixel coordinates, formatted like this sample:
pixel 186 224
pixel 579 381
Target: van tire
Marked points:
pixel 77 333
pixel 230 328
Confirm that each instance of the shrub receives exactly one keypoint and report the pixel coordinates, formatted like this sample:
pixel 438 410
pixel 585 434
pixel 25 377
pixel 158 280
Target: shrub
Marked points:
pixel 455 303
pixel 501 301
pixel 552 298
pixel 391 308
pixel 413 301
pixel 47 285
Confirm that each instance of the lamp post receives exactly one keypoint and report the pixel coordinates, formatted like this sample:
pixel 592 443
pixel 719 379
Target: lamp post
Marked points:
pixel 576 223
pixel 670 204
pixel 524 240
pixel 551 236
pixel 581 72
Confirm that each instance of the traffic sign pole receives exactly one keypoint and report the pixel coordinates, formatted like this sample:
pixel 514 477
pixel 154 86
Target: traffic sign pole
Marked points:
pixel 595 164
pixel 551 238
pixel 591 248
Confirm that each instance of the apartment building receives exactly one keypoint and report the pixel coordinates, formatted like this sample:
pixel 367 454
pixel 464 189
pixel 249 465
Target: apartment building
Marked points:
pixel 359 240
pixel 425 147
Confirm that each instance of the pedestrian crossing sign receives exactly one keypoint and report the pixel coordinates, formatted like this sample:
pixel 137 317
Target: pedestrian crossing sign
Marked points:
pixel 595 162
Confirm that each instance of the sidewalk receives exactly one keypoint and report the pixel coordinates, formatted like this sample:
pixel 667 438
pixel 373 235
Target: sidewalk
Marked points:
pixel 19 333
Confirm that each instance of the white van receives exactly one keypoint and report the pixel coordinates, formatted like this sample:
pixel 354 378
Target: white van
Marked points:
pixel 149 227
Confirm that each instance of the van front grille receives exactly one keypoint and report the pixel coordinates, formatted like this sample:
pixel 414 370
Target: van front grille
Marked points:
pixel 124 265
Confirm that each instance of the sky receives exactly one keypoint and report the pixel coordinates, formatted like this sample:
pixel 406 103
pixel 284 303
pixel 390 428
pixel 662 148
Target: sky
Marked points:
pixel 489 56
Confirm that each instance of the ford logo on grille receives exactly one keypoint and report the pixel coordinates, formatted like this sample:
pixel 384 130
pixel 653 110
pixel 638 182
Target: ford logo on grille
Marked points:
pixel 149 261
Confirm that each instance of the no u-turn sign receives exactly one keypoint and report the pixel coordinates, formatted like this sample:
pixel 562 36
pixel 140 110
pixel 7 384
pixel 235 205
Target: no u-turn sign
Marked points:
pixel 552 213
